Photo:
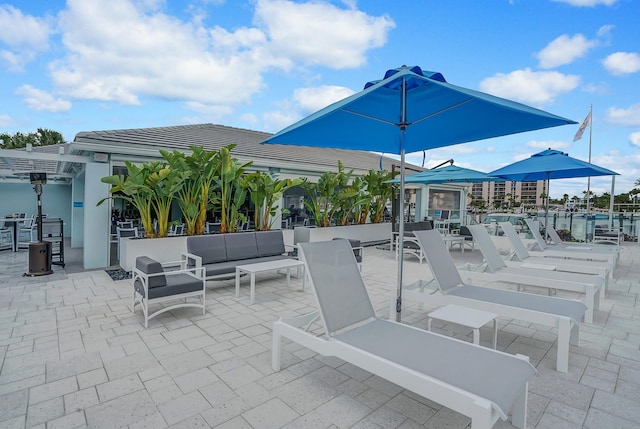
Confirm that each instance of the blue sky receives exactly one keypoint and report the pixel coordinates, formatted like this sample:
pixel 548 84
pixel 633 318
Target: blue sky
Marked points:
pixel 92 65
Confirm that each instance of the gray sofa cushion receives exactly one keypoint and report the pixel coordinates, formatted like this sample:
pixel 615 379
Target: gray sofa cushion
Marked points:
pixel 240 246
pixel 270 243
pixel 150 266
pixel 211 248
pixel 176 284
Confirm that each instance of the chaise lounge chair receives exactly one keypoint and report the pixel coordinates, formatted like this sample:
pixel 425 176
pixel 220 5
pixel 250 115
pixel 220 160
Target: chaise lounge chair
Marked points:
pixel 569 251
pixel 601 269
pixel 475 381
pixel 563 314
pixel 539 274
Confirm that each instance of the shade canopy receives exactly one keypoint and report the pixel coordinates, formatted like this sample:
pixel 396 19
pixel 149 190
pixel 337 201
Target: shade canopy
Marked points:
pixel 411 110
pixel 448 174
pixel 550 164
pixel 433 112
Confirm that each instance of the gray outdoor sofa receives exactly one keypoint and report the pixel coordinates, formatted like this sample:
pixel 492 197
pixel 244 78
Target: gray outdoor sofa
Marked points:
pixel 219 254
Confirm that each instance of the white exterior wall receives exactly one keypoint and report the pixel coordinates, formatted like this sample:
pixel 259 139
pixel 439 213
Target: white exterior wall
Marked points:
pixel 21 198
pixel 77 212
pixel 96 219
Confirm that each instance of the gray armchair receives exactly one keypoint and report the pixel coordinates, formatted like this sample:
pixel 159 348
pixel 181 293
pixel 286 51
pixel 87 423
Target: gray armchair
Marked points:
pixel 152 283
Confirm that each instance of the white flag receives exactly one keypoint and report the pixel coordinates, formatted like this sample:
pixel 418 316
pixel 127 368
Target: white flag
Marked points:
pixel 584 125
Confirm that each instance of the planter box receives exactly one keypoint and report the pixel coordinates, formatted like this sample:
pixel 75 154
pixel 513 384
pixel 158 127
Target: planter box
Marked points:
pixel 366 233
pixel 165 249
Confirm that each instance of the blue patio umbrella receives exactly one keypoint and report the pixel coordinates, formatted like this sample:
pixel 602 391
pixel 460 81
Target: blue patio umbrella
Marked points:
pixel 449 174
pixel 549 164
pixel 411 110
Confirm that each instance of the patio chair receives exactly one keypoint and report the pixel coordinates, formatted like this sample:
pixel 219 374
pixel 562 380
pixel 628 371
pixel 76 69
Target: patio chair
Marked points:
pixel 601 269
pixel 562 314
pixel 603 235
pixel 475 381
pixel 27 233
pixel 125 233
pixel 568 251
pixel 545 275
pixel 153 284
pixel 6 237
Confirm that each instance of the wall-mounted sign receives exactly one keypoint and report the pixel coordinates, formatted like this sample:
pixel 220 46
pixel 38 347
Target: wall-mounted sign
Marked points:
pixel 77 204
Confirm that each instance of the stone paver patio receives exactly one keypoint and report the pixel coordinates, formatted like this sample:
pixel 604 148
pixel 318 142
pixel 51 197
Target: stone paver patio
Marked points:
pixel 73 354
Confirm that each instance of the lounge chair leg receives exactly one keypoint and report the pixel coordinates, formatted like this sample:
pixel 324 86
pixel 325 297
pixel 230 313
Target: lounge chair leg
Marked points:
pixel 589 300
pixel 564 336
pixel 275 347
pixel 519 410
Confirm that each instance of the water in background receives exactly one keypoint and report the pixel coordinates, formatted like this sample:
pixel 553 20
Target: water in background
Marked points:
pixel 580 226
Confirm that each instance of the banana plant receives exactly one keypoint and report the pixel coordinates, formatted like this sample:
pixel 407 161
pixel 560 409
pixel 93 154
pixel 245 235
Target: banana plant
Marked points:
pixel 193 198
pixel 149 188
pixel 265 192
pixel 325 197
pixel 380 192
pixel 354 203
pixel 228 196
pixel 133 189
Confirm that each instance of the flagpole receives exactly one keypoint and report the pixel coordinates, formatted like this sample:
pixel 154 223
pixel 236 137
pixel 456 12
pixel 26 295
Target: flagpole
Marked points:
pixel 589 178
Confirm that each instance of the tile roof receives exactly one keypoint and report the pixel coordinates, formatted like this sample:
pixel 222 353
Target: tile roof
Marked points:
pixel 213 136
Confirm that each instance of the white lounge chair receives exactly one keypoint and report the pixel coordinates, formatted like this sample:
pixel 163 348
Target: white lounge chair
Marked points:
pixel 567 251
pixel 612 238
pixel 563 314
pixel 539 274
pixel 598 268
pixel 475 381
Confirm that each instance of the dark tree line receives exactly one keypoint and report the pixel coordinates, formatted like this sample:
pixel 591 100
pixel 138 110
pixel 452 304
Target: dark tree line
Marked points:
pixel 42 137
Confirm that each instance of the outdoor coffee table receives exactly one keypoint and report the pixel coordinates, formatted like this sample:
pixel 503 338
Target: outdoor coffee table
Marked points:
pixel 450 240
pixel 261 267
pixel 469 317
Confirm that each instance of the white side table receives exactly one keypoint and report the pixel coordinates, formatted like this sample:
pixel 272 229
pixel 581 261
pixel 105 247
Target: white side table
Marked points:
pixel 469 317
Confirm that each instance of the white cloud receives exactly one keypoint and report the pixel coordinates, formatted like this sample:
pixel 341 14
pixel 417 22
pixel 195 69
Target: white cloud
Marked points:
pixel 313 99
pixel 627 117
pixel 535 87
pixel 38 99
pixel 622 63
pixel 551 144
pixel 634 138
pixel 588 3
pixel 25 36
pixel 6 121
pixel 605 31
pixel 121 51
pixel 564 50
pixel 319 33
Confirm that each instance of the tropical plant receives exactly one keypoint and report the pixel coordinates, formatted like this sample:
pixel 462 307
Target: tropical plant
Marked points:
pixel 324 196
pixel 228 196
pixel 353 203
pixel 380 192
pixel 149 188
pixel 265 192
pixel 193 198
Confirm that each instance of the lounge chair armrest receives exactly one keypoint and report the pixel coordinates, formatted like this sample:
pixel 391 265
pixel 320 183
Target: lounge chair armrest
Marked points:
pixel 305 320
pixel 173 264
pixel 189 259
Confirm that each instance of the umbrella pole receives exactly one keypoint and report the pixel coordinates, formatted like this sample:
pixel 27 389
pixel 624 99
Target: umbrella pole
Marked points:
pixel 546 213
pixel 400 239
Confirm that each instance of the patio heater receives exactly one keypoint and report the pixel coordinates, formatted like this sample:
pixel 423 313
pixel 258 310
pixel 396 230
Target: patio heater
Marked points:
pixel 40 251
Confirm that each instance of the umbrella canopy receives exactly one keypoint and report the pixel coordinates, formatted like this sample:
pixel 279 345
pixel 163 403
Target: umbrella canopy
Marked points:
pixel 408 111
pixel 449 174
pixel 550 164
